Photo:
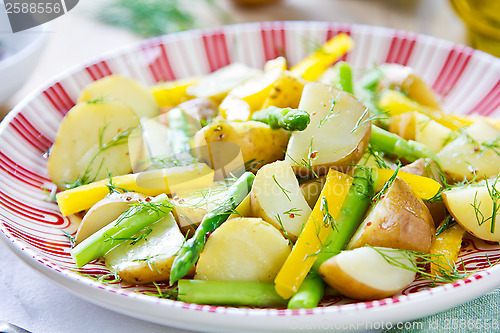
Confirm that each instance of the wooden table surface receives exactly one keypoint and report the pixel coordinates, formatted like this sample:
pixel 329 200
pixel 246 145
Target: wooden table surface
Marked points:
pixel 77 37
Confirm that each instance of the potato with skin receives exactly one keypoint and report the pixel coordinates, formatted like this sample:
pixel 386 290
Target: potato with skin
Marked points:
pixel 311 189
pixel 243 249
pixel 104 212
pixel 276 198
pixel 83 131
pixel 125 90
pixel 365 274
pixel 337 135
pixel 399 220
pixel 472 208
pixel 473 154
pixel 259 143
pixel 149 255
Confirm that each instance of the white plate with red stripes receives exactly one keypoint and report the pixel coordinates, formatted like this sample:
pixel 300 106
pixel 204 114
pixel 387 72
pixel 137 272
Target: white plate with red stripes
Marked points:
pixel 467 81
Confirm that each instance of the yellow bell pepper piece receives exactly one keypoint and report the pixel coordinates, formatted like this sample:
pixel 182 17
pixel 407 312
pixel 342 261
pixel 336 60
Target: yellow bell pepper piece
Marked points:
pixel 313 235
pixel 311 67
pixel 279 63
pixel 172 93
pixel 424 187
pixel 148 183
pixel 445 248
pixel 395 103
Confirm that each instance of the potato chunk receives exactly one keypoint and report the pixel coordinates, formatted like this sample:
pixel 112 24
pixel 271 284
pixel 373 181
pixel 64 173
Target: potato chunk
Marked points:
pixel 399 220
pixel 124 90
pixel 472 208
pixel 84 130
pixel 276 198
pixel 243 249
pixel 337 135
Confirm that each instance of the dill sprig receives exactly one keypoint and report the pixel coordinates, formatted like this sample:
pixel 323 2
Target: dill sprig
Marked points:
pixel 278 217
pixel 387 185
pixel 494 194
pixel 303 162
pixel 294 211
pixel 330 113
pixel 118 139
pixel 154 17
pixel 284 190
pixel 113 188
pixel 448 223
pixel 134 240
pixel 149 260
pixel 446 271
pixel 70 237
pixel 328 219
pixel 136 207
pixel 168 293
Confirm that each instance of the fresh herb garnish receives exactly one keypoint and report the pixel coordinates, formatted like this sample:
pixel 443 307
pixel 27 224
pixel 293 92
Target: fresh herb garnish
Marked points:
pixel 284 190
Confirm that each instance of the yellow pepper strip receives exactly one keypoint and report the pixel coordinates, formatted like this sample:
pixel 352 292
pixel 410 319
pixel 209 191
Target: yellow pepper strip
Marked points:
pixel 181 178
pixel 172 93
pixel 243 209
pixel 424 187
pixel 311 67
pixel 313 235
pixel 395 102
pixel 445 248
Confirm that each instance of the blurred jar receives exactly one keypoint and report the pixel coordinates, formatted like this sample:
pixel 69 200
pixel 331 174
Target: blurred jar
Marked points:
pixel 482 18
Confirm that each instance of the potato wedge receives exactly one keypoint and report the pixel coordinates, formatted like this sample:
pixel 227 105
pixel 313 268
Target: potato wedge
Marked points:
pixel 286 92
pixel 311 189
pixel 399 220
pixel 336 137
pixel 472 207
pixel 85 130
pixel 104 212
pixel 149 255
pixel 259 143
pixel 243 249
pixel 277 199
pixel 365 274
pixel 217 84
pixel 474 154
pixel 125 90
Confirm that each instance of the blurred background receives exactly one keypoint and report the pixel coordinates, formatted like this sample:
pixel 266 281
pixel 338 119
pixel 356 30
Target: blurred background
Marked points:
pixel 95 27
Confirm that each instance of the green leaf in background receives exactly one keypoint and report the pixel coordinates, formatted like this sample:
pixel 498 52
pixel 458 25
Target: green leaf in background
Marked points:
pixel 153 17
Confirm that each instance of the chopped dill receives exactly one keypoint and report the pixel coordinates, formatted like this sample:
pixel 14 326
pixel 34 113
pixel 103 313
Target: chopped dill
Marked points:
pixel 294 211
pixel 167 293
pixel 494 194
pixel 387 185
pixel 278 217
pixel 331 113
pixel 149 260
pixel 118 139
pixel 328 219
pixel 113 188
pixel 448 223
pixel 284 190
pixel 70 237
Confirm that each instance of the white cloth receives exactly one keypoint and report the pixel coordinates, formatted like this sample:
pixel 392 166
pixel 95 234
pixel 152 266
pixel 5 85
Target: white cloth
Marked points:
pixel 30 300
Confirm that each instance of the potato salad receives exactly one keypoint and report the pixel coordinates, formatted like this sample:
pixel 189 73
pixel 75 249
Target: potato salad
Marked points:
pixel 271 187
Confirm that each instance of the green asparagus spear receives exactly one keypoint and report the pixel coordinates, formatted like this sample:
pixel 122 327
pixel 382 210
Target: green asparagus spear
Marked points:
pixel 132 221
pixel 179 131
pixel 355 204
pixel 191 249
pixel 287 118
pixel 345 76
pixel 235 293
pixel 393 144
pixel 309 294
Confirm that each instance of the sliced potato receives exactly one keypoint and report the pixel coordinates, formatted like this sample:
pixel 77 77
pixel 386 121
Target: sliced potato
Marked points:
pixel 216 85
pixel 243 249
pixel 259 143
pixel 124 90
pixel 149 255
pixel 104 212
pixel 365 274
pixel 277 199
pixel 473 154
pixel 430 132
pixel 86 127
pixel 472 208
pixel 405 79
pixel 286 92
pixel 337 135
pixel 399 220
